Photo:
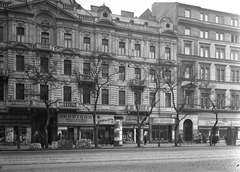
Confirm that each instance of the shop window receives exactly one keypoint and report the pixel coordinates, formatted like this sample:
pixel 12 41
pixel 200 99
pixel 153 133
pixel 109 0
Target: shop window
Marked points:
pixel 2 134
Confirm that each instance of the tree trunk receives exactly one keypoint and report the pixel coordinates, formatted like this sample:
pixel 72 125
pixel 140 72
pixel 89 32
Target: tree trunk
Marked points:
pixel 176 134
pixel 95 131
pixel 46 128
pixel 139 136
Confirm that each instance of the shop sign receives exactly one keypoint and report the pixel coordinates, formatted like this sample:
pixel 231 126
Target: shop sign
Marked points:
pixel 15 119
pixel 211 123
pixel 164 121
pixel 106 119
pixel 75 119
pixel 236 123
pixel 133 119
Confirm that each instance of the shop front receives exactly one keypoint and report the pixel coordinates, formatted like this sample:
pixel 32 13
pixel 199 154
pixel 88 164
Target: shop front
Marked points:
pixel 15 127
pixel 80 126
pixel 223 125
pixel 162 129
pixel 130 129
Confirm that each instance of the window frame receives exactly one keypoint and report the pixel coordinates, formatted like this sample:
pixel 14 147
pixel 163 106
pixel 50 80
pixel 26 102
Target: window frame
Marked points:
pixel 86 96
pixel 121 97
pixel 67 67
pixel 152 52
pixel 105 44
pixel 86 43
pixel 105 96
pixel 43 92
pixel 20 90
pixel 137 50
pixel 168 100
pixel 20 63
pixel 122 48
pixel 67 93
pixel 122 73
pixel 68 40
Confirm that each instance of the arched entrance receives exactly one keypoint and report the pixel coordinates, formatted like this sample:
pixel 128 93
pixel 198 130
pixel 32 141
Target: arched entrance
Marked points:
pixel 187 130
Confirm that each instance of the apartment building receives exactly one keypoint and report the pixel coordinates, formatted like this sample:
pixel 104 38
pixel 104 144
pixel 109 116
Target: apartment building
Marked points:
pixel 209 45
pixel 40 32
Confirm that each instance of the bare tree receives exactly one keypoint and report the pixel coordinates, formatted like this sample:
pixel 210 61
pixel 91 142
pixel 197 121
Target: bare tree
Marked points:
pixel 138 85
pixel 211 100
pixel 43 75
pixel 174 76
pixel 99 72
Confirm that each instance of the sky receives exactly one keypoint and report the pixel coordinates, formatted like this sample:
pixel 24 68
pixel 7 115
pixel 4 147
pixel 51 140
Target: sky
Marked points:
pixel 139 6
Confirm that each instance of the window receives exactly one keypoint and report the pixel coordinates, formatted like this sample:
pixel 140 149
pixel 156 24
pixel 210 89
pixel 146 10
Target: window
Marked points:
pixel 152 99
pixel 105 97
pixel 187 13
pixel 43 92
pixel 45 38
pixel 188 71
pixel 20 63
pixel 203 17
pixel 217 19
pixel 203 34
pixel 67 67
pixel 234 22
pixel 20 34
pixel 1 92
pixel 167 99
pixel 105 70
pixel 204 50
pixel 220 99
pixel 86 43
pixel 44 65
pixel 220 73
pixel 187 31
pixel 121 73
pixel 86 95
pixel 152 75
pixel 19 91
pixel 219 36
pixel 137 50
pixel 235 38
pixel 86 69
pixel 104 45
pixel 122 48
pixel 138 74
pixel 167 75
pixel 235 101
pixel 220 53
pixel 205 72
pixel 235 74
pixel 68 40
pixel 121 98
pixel 138 97
pixel 235 55
pixel 167 53
pixel 205 103
pixel 206 17
pixel 189 97
pixel 1 34
pixel 67 94
pixel 187 48
pixel 152 52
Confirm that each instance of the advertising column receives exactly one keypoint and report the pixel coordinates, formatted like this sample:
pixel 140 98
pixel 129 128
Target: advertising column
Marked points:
pixel 118 131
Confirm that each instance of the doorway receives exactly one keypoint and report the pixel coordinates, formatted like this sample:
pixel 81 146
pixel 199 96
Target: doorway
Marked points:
pixel 188 130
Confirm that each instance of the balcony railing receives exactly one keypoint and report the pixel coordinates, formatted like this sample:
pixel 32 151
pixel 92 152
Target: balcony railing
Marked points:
pixel 18 103
pixel 71 105
pixel 141 108
pixel 43 46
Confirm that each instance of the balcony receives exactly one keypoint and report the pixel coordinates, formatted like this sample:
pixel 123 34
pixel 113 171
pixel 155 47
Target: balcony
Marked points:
pixel 138 85
pixel 18 103
pixel 67 105
pixel 42 46
pixel 141 108
pixel 85 81
pixel 3 74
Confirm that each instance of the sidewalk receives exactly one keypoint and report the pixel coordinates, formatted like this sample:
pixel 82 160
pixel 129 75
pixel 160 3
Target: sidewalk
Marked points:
pixel 127 145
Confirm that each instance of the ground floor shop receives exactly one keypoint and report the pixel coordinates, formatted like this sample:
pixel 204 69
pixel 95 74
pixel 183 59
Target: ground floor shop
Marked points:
pixel 15 127
pixel 201 124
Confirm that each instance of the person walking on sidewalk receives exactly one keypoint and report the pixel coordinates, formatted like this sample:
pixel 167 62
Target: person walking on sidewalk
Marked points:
pixel 145 137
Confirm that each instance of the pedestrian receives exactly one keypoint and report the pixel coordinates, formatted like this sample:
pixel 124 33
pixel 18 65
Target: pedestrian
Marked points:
pixel 145 137
pixel 42 140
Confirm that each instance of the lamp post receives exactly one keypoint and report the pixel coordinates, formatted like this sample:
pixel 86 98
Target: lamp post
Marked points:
pixel 159 135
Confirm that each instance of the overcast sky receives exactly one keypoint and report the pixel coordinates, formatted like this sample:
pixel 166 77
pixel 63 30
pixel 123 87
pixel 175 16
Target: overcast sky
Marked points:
pixel 139 6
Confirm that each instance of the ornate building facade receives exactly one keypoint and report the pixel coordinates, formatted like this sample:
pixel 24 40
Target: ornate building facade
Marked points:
pixel 46 31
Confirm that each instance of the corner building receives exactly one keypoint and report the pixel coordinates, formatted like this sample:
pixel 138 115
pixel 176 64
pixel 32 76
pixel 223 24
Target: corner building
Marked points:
pixel 48 30
pixel 209 45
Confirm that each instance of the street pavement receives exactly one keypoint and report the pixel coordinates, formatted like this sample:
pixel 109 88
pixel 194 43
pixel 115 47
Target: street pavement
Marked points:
pixel 132 145
pixel 128 158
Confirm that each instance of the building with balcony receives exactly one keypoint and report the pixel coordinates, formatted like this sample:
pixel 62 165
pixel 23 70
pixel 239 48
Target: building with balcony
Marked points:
pixel 48 31
pixel 209 46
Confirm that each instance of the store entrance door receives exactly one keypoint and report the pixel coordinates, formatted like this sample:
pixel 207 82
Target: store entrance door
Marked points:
pixel 188 128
